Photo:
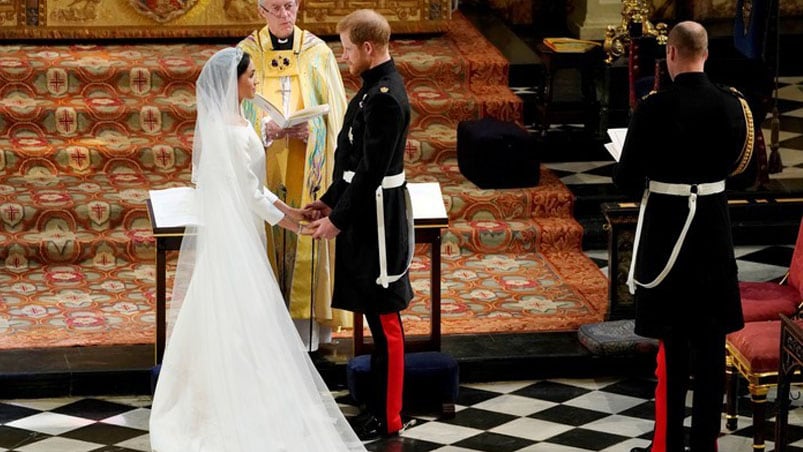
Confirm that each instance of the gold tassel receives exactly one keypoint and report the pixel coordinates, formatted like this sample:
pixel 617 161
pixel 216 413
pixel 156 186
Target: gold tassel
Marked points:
pixel 775 165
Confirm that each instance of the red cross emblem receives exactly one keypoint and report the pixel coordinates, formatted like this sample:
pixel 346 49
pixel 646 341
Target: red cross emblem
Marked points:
pixel 66 120
pixel 57 82
pixel 78 157
pixel 163 156
pixel 140 80
pixel 99 212
pixel 11 214
pixel 150 119
pixel 16 262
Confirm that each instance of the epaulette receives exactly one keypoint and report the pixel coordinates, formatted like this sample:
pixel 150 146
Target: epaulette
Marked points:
pixel 730 90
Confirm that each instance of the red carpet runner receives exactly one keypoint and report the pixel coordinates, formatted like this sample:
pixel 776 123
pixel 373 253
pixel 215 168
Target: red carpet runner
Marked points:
pixel 85 131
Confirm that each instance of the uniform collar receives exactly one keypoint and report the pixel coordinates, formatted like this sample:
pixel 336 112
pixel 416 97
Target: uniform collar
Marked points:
pixel 373 75
pixel 691 78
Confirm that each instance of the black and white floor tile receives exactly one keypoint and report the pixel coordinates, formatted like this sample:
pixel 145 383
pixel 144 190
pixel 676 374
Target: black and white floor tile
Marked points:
pixel 557 415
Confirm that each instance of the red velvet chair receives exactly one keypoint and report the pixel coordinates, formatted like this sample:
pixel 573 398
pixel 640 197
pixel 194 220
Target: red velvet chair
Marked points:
pixel 765 300
pixel 754 351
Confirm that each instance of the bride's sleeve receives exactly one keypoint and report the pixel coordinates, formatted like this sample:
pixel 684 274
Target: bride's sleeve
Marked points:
pixel 260 199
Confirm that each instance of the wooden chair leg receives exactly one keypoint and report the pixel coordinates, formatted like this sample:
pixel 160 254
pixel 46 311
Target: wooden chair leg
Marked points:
pixel 731 395
pixel 758 397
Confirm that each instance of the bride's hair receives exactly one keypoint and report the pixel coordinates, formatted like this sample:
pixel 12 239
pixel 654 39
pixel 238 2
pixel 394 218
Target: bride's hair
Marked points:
pixel 243 64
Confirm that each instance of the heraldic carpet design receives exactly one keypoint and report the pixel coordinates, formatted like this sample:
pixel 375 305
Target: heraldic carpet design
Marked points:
pixel 86 131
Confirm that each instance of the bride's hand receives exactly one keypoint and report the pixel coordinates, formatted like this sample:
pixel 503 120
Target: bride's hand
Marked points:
pixel 295 214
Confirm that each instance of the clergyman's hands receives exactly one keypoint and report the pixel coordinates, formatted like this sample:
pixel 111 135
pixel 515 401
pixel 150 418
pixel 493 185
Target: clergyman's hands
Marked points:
pixel 316 210
pixel 322 229
pixel 299 132
pixel 270 131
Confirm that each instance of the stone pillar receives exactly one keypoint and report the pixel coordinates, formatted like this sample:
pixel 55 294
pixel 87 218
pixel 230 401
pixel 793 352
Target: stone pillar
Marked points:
pixel 588 19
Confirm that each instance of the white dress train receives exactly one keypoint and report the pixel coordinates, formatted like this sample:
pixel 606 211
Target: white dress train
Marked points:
pixel 235 376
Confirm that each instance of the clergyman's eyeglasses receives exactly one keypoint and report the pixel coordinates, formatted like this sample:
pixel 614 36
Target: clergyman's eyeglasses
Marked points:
pixel 280 10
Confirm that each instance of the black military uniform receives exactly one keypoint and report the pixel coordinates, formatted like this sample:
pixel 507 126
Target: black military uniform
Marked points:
pixel 692 136
pixel 370 155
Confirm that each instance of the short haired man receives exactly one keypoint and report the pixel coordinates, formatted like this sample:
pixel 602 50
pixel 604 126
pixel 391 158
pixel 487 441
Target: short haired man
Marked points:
pixel 367 209
pixel 683 143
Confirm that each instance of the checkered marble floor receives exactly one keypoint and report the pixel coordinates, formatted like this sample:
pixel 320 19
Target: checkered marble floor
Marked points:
pixel 557 415
pixel 790 106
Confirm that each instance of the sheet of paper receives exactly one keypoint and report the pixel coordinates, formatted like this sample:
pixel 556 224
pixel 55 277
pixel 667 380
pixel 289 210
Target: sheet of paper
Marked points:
pixel 617 142
pixel 172 207
pixel 427 200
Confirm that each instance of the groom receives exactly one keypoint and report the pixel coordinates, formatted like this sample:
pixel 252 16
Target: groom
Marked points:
pixel 366 209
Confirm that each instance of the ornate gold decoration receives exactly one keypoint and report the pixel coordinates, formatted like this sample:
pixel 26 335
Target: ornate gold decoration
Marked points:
pixel 162 10
pixel 241 10
pixel 179 19
pixel 749 138
pixel 635 23
pixel 77 11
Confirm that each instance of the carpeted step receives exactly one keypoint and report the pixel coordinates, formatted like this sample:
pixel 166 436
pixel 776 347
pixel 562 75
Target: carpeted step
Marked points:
pixel 85 304
pixel 60 242
pixel 101 110
pixel 94 203
pixel 466 201
pixel 67 71
pixel 434 106
pixel 513 292
pixel 107 152
pixel 508 236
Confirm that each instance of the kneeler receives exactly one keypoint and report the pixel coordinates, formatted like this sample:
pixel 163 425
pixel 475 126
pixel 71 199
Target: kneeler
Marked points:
pixel 431 377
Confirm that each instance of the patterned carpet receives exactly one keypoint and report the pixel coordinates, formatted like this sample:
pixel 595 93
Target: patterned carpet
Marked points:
pixel 85 131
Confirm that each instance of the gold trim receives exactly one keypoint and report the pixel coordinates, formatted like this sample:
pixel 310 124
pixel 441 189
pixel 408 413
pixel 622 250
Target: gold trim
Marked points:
pixel 749 139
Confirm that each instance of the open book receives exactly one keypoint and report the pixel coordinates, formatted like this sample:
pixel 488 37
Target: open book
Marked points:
pixel 617 142
pixel 570 45
pixel 292 120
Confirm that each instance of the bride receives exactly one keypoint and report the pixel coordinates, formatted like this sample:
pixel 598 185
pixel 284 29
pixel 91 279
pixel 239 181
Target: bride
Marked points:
pixel 235 375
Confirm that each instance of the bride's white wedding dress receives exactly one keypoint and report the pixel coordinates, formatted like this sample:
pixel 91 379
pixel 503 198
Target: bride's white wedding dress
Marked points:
pixel 235 375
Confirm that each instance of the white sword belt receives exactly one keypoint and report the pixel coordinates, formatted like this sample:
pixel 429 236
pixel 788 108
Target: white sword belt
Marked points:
pixel 691 191
pixel 388 182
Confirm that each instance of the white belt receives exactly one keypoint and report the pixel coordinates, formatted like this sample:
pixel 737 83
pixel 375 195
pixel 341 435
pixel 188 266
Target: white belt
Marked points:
pixel 388 182
pixel 692 192
pixel 395 181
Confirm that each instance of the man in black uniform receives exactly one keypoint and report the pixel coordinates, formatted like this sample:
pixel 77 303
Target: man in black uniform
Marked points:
pixel 683 143
pixel 367 209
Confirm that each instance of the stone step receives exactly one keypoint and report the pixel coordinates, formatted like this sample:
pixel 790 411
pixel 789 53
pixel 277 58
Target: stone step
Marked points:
pixel 465 201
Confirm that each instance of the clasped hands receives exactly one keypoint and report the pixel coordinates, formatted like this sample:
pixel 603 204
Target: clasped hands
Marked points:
pixel 316 216
pixel 271 131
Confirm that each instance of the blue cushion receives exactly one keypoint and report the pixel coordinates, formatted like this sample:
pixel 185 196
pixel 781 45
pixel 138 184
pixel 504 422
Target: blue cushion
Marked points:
pixel 427 375
pixel 614 338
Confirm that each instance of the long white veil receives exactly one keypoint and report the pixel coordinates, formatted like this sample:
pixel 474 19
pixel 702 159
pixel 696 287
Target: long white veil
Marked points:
pixel 235 376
